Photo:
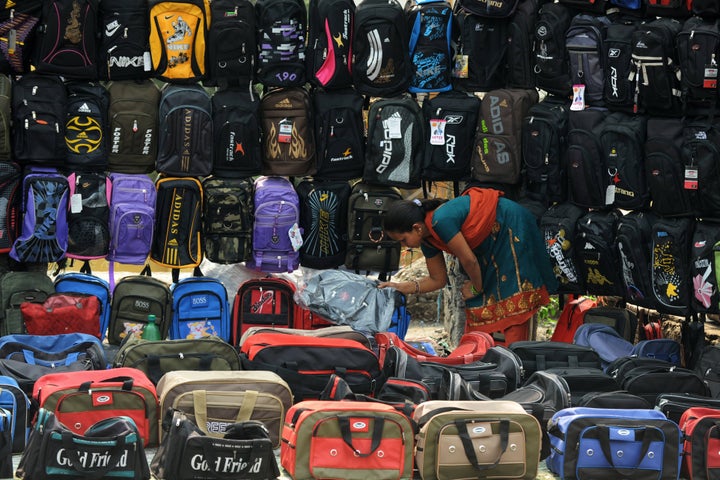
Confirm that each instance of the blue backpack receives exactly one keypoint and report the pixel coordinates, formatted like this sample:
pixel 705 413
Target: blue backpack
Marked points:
pixel 200 309
pixel 604 339
pixel 431 24
pixel 91 285
pixel 15 401
pixel 660 348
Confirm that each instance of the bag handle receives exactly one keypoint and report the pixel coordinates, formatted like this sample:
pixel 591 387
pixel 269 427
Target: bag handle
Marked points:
pixel 74 457
pixel 127 383
pixel 200 407
pixel 604 439
pixel 378 424
pixel 69 360
pixel 467 444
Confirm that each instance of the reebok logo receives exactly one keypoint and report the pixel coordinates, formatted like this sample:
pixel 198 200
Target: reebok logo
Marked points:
pixel 613 52
pixel 454 119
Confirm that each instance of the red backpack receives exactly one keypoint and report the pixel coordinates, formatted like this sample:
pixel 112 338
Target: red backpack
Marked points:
pixel 571 318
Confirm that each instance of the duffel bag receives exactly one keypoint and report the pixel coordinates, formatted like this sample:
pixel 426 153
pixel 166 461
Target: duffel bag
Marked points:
pixel 472 347
pixel 63 313
pixel 701 445
pixel 540 355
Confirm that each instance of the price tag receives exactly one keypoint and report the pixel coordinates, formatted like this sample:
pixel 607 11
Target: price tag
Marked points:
pixel 285 131
pixel 147 62
pixel 460 66
pixel 710 77
pixel 610 195
pixel 437 131
pixel 295 235
pixel 392 125
pixel 76 203
pixel 691 178
pixel 12 41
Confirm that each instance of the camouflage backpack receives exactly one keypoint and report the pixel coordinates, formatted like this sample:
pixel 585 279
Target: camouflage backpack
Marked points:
pixel 228 219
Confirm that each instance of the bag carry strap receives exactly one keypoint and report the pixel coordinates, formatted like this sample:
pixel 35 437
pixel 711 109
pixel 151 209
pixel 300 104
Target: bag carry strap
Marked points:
pixel 200 407
pixel 69 360
pixel 461 426
pixel 378 424
pixel 604 439
pixel 71 449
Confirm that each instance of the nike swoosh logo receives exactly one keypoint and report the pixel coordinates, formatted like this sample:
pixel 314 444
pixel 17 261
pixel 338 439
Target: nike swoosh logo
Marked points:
pixel 168 17
pixel 109 32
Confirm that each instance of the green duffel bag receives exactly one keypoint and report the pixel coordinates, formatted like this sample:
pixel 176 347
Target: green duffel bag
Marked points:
pixel 156 358
pixel 476 439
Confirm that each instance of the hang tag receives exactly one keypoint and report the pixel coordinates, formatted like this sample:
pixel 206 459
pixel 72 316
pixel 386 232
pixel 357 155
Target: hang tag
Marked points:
pixel 295 235
pixel 691 178
pixel 147 62
pixel 710 76
pixel 578 102
pixel 460 66
pixel 76 203
pixel 285 131
pixel 437 131
pixel 392 126
pixel 610 195
pixel 12 41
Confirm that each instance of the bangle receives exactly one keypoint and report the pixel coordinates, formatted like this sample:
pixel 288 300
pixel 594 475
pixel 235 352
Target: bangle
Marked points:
pixel 417 286
pixel 473 290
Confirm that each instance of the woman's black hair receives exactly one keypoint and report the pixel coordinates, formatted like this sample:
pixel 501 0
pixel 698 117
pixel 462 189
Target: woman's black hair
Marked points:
pixel 403 214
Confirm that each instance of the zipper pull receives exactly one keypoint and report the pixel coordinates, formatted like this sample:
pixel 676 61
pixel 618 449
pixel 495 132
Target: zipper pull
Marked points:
pixel 135 126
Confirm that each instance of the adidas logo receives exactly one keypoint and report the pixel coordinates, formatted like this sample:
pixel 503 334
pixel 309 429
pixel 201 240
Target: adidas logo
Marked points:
pixel 640 44
pixel 396 115
pixel 173 242
pixel 84 108
pixel 284 103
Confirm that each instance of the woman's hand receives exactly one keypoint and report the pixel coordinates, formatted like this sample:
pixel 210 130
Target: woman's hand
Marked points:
pixel 405 288
pixel 468 291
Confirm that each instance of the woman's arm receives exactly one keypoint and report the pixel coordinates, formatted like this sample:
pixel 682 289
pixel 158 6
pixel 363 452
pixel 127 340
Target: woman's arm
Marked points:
pixel 437 278
pixel 467 258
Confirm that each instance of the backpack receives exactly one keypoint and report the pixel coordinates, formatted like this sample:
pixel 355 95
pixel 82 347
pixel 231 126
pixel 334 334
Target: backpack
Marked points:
pixel 703 268
pixel 89 216
pixel 132 218
pixel 395 141
pixel 133 115
pixel 86 126
pixel 200 309
pixel 44 232
pixel 497 156
pixel 88 284
pixel 23 20
pixel 551 62
pixel 595 254
pixel 227 219
pixel 701 159
pixel 381 59
pixel 668 8
pixel 232 43
pixel 38 117
pixel 10 204
pixel 369 249
pixel 698 45
pixel 275 226
pixel 133 299
pixel 5 118
pixel 448 153
pixel 633 240
pixel 237 150
pixel 544 143
pixel 482 44
pixel 287 127
pixel 520 56
pixel 123 53
pixel 431 36
pixel 584 41
pixel 68 39
pixel 670 269
pixel 706 8
pixel 185 141
pixel 178 39
pixel 177 241
pixel 323 220
pixel 281 29
pixel 605 340
pixel 655 69
pixel 559 226
pixel 597 7
pixel 339 134
pixel 571 317
pixel 586 177
pixel 330 42
pixel 619 90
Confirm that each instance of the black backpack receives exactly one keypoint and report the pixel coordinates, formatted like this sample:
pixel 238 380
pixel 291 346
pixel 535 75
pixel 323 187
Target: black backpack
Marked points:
pixel 586 177
pixel 558 225
pixel 227 219
pixel 237 149
pixel 395 142
pixel 68 39
pixel 633 243
pixel 381 61
pixel 330 42
pixel 482 50
pixel 39 103
pixel 86 127
pixel 324 221
pixel 596 255
pixel 10 198
pixel 551 63
pixel 670 264
pixel 281 29
pixel 584 42
pixel 5 117
pixel 125 29
pixel 23 19
pixel 619 90
pixel 520 57
pixel 698 46
pixel 703 267
pixel 185 143
pixel 88 217
pixel 232 43
pixel 339 134
pixel 431 35
pixel 701 159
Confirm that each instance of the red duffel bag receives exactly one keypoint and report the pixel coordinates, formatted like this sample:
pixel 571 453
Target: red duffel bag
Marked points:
pixel 63 313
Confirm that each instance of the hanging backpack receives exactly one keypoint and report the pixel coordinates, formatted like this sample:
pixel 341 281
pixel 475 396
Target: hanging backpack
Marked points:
pixel 698 45
pixel 670 269
pixel 633 243
pixel 559 226
pixel 665 8
pixel 584 41
pixel 86 126
pixel 703 270
pixel 339 134
pixel 89 216
pixel 287 127
pixel 200 309
pixel 133 115
pixel 68 39
pixel 701 161
pixel 551 62
pixel 178 39
pixel 124 51
pixel 227 219
pixel 586 177
pixel 395 143
pixel 484 8
pixel 619 90
pixel 520 57
pixel 323 220
pixel 595 254
pixel 330 42
pixel 237 148
pixel 6 113
pixel 232 43
pixel 381 61
pixel 132 218
pixel 185 143
pixel 10 204
pixel 44 233
pixel 431 37
pixel 281 29
pixel 16 48
pixel 133 299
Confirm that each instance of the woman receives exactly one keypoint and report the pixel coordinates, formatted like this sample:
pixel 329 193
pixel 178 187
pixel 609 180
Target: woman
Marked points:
pixel 499 247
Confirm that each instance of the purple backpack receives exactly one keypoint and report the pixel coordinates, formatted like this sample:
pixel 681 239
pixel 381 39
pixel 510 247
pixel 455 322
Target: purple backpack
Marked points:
pixel 132 217
pixel 277 214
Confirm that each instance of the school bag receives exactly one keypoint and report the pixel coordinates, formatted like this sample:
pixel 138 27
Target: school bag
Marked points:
pixel 177 241
pixel 520 56
pixel 605 340
pixel 551 62
pixel 133 129
pixel 395 142
pixel 677 8
pixel 330 42
pixel 200 309
pixel 88 284
pixel 17 47
pixel 231 43
pixel 287 127
pixel 497 156
pixel 701 160
pixel 227 219
pixel 595 255
pixel 619 90
pixel 323 220
pixel 68 38
pixel 705 297
pixel 571 317
pixel 559 226
pixel 124 51
pixel 705 9
pixel 185 141
pixel 10 203
pixel 88 216
pixel 132 218
pixel 698 44
pixel 584 41
pixel 15 401
pixel 670 269
pixel 587 178
pixel 134 297
pixel 44 232
pixel 431 36
pixel 281 30
pixel 633 239
pixel 339 134
pixel 381 60
pixel 38 117
pixel 237 150
pixel 5 117
pixel 86 126
pixel 178 39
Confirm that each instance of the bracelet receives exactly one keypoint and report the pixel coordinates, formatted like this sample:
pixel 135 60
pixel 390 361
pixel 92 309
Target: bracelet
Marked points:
pixel 473 290
pixel 417 286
